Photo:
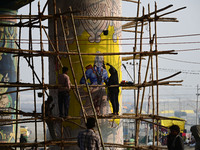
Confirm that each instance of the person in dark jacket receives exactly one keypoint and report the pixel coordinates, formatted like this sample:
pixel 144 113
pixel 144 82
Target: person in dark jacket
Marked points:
pixel 196 133
pixel 48 113
pixel 174 140
pixel 113 92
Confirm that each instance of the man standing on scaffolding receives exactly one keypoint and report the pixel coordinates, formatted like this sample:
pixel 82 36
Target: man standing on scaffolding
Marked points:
pixel 63 92
pixel 113 92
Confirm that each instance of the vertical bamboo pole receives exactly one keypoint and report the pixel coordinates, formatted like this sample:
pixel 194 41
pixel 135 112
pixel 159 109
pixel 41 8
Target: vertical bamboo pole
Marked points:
pixel 153 99
pixel 82 67
pixel 72 70
pixel 42 63
pixel 152 71
pixel 157 89
pixel 148 110
pixel 139 81
pixel 62 135
pixel 134 72
pixel 17 94
pixel 32 63
pixel 57 49
pixel 55 27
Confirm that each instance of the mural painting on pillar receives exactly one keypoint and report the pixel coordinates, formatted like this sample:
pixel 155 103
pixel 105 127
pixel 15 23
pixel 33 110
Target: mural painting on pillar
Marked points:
pixel 7 74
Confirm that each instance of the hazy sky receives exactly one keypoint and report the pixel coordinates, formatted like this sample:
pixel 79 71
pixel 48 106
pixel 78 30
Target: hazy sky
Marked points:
pixel 187 47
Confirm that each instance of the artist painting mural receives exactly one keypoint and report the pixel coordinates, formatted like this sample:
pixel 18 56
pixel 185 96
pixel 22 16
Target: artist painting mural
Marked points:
pixel 94 36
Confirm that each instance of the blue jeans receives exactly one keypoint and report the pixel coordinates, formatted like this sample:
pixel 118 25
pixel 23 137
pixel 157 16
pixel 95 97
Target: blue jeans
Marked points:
pixel 63 101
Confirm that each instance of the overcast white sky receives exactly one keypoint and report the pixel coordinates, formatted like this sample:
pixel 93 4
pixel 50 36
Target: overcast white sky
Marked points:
pixel 186 61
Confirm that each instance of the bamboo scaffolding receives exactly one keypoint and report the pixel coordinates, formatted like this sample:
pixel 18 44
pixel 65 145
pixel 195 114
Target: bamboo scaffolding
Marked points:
pixel 32 67
pixel 134 22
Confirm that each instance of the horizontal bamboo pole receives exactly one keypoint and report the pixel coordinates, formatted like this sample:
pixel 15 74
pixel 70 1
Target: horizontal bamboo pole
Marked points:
pixel 132 26
pixel 175 74
pixel 113 18
pixel 24 52
pixel 55 86
pixel 71 143
pixel 17 25
pixel 130 31
pixel 131 58
pixel 131 1
pixel 106 116
pixel 22 90
pixel 172 11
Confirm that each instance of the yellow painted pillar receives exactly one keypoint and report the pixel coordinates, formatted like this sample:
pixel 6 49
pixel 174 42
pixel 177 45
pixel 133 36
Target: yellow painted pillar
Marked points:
pixel 94 36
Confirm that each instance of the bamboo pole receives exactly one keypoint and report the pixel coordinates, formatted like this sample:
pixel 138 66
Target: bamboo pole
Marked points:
pixel 56 29
pixel 62 135
pixel 17 94
pixel 42 63
pixel 157 87
pixel 171 12
pixel 19 91
pixel 139 77
pixel 33 76
pixel 131 1
pixel 52 86
pixel 130 31
pixel 72 143
pixel 152 73
pixel 69 119
pixel 45 6
pixel 49 53
pixel 145 78
pixel 113 18
pixel 135 103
